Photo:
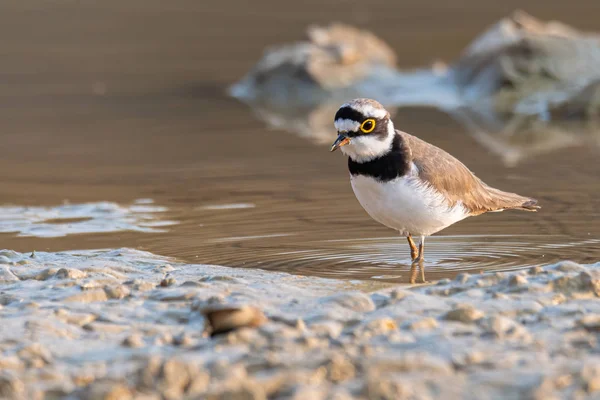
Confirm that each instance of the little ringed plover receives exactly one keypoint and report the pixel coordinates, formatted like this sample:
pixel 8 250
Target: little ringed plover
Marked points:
pixel 408 184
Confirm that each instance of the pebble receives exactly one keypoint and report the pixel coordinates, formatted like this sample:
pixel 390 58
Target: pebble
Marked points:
pixel 70 273
pixel 142 286
pixel 245 390
pixel 340 368
pixel 379 326
pixel 10 362
pixel 117 291
pixel 74 318
pixel 88 296
pixel 6 275
pixel 517 280
pixel 462 277
pixel 590 322
pixel 107 390
pixel 11 387
pixel 221 319
pixel 166 282
pixel 466 314
pixel 105 327
pixel 569 266
pixel 355 301
pixel 423 324
pixel 537 270
pixel 504 328
pixel 135 340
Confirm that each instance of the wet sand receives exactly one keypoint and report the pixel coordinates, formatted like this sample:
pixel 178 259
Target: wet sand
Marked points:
pixel 126 324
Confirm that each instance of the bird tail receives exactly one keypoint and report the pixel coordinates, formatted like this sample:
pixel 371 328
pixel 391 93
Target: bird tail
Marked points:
pixel 511 201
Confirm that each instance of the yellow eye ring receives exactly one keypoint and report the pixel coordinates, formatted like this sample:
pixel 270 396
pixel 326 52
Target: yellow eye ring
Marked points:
pixel 368 125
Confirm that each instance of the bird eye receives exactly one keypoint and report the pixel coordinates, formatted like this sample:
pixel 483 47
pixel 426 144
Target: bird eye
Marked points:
pixel 368 126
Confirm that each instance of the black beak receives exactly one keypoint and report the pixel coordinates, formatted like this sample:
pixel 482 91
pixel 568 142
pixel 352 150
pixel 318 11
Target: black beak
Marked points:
pixel 341 140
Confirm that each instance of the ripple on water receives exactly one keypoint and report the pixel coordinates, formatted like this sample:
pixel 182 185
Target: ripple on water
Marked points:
pixel 387 258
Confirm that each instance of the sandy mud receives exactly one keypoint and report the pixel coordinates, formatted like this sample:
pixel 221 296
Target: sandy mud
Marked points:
pixel 128 324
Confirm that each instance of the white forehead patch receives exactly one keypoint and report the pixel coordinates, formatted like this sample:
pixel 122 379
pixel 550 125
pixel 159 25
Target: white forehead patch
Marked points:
pixel 346 125
pixel 367 110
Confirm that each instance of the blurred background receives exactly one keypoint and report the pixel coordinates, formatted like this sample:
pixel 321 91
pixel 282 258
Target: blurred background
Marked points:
pixel 117 101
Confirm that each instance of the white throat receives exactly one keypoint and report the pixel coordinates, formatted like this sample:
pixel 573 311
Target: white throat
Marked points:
pixel 365 148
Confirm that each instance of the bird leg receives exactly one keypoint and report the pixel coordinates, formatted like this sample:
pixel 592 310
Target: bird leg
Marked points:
pixel 414 252
pixel 415 268
pixel 421 255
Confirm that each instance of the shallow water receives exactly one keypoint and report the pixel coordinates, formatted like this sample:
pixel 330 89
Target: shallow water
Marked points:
pixel 98 108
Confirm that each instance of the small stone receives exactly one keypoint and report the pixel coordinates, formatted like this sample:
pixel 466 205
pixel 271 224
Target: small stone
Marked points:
pixel 193 284
pixel 35 351
pixel 175 376
pixel 586 281
pixel 10 386
pixel 569 266
pixel 504 327
pixel 517 280
pixel 310 392
pixel 142 286
pixel 423 324
pixel 6 275
pixel 105 327
pixel 70 273
pixel 590 373
pixel 198 384
pixel 183 339
pixel 164 339
pixel 300 325
pixel 417 362
pixel 466 314
pixel 355 301
pixel 329 329
pixel 74 318
pixel 10 362
pixel 147 376
pixel 377 327
pixel 117 291
pixel 462 277
pixel 88 296
pixel 222 370
pixel 537 270
pixel 46 274
pixel 593 385
pixel 169 281
pixel 107 390
pixel 223 319
pixel 134 340
pixel 590 322
pixel 398 294
pixel 245 390
pixel 340 369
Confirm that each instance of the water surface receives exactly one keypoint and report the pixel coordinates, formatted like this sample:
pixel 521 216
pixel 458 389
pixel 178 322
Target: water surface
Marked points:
pixel 117 102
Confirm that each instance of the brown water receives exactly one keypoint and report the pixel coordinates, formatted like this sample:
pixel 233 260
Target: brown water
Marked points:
pixel 126 100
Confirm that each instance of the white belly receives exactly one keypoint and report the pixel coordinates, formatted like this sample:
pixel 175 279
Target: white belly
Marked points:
pixel 406 205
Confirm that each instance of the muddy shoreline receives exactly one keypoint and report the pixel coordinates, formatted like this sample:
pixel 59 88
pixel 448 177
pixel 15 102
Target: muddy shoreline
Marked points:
pixel 129 324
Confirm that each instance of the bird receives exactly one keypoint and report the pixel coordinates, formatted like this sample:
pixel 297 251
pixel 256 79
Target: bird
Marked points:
pixel 407 184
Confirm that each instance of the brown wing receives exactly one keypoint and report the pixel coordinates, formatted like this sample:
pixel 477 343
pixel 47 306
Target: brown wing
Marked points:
pixel 457 183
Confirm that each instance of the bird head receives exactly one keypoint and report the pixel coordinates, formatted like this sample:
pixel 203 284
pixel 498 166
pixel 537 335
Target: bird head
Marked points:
pixel 365 130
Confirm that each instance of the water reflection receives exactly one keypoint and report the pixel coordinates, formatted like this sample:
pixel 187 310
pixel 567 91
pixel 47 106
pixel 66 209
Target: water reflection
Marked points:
pixel 513 138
